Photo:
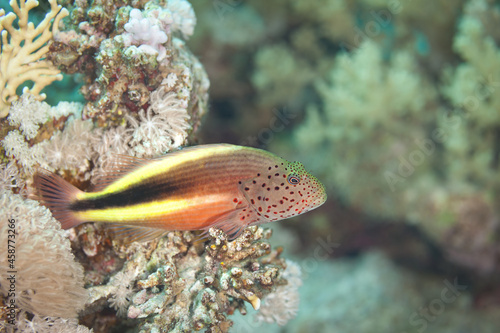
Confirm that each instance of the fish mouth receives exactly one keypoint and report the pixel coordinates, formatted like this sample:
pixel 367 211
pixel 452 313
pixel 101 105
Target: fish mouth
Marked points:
pixel 320 200
pixel 321 196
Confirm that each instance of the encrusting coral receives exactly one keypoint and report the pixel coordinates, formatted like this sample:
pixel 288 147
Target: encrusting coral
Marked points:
pixel 23 51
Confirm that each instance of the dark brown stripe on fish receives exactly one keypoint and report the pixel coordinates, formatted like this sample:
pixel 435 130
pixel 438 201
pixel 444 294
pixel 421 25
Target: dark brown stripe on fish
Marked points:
pixel 137 194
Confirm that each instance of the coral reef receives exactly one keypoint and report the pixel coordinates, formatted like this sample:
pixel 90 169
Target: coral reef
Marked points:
pixel 358 103
pixel 125 53
pixel 145 93
pixel 293 43
pixel 46 279
pixel 144 97
pixel 371 294
pixel 180 286
pixel 23 51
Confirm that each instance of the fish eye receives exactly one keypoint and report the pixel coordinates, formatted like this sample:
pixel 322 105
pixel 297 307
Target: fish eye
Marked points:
pixel 293 179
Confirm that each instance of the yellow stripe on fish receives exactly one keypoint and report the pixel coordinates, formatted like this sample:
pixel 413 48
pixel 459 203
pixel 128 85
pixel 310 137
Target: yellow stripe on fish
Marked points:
pixel 196 188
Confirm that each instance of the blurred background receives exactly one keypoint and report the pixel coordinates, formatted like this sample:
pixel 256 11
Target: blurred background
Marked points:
pixel 394 105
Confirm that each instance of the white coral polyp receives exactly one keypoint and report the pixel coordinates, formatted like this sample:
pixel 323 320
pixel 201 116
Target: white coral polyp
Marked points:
pixel 23 114
pixel 148 32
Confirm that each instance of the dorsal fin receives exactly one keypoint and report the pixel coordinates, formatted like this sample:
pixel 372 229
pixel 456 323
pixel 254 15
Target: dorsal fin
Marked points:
pixel 129 234
pixel 119 166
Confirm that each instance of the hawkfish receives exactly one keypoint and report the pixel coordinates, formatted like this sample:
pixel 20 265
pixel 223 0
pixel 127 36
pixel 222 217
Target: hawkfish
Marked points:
pixel 220 185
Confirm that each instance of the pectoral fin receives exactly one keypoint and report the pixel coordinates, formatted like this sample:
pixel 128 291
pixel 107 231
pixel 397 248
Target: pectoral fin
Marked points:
pixel 257 198
pixel 232 222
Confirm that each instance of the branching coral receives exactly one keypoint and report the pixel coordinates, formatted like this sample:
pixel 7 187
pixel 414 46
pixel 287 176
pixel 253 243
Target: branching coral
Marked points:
pixel 472 88
pixel 147 32
pixel 180 288
pixel 23 51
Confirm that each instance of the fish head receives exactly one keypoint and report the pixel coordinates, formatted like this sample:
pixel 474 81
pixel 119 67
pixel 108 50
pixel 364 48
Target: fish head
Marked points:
pixel 283 190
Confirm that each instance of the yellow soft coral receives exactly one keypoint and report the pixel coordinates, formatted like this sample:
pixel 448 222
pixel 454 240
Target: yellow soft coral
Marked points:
pixel 23 50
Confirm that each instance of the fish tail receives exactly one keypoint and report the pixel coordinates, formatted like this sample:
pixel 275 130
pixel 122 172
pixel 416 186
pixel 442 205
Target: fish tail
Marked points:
pixel 57 195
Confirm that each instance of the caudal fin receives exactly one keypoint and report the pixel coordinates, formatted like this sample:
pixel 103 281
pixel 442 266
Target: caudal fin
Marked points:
pixel 57 195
